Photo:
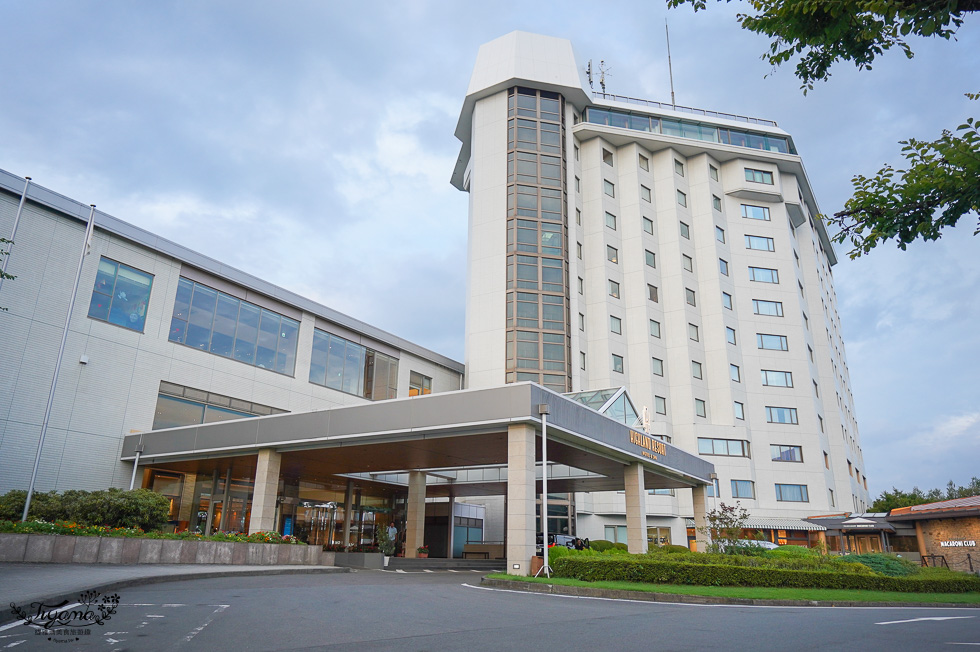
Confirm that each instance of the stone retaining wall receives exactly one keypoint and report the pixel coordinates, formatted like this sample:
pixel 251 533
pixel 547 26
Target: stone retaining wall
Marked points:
pixel 66 549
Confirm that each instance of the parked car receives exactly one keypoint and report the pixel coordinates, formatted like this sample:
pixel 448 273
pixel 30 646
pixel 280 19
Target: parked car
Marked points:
pixel 557 540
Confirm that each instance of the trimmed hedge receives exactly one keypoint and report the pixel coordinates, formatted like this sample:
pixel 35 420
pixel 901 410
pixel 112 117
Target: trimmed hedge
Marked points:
pixel 656 571
pixel 114 508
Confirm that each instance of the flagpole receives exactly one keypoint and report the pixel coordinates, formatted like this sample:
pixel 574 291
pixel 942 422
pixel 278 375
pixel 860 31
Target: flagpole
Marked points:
pixel 13 233
pixel 61 354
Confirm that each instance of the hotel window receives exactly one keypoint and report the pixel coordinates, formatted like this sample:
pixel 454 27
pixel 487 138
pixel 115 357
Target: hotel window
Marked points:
pixel 581 357
pixel 609 188
pixel 617 363
pixel 644 163
pixel 700 408
pixel 816 389
pixel 782 453
pixel 657 365
pixel 690 296
pixel 820 421
pixel 713 172
pixel 353 368
pixel 648 225
pixel 781 415
pixel 660 404
pixel 826 460
pixel 185 406
pixel 578 216
pixel 743 489
pixel 777 378
pixel 612 254
pixel 726 300
pixel 607 157
pixel 611 221
pixel 687 262
pixel 716 202
pixel 770 308
pixel 578 185
pixel 613 289
pixel 121 295
pixel 763 275
pixel 685 231
pixel 739 410
pixel 723 266
pixel 758 176
pixel 419 385
pixel 755 212
pixel 654 328
pixel 810 351
pixel 792 493
pixel 725 447
pixel 720 234
pixel 772 342
pixel 682 199
pixel 650 257
pixel 697 370
pixel 581 285
pixel 581 322
pixel 652 293
pixel 215 322
pixel 678 167
pixel 615 325
pixel 735 373
pixel 730 334
pixel 576 152
pixel 692 332
pixel 578 250
pixel 831 497
pixel 645 194
pixel 759 243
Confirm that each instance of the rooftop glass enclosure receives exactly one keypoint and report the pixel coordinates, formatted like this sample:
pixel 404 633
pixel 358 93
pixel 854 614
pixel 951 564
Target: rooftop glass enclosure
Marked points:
pixel 689 129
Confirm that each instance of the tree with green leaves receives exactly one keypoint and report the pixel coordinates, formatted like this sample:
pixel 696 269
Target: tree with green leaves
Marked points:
pixel 889 500
pixel 939 184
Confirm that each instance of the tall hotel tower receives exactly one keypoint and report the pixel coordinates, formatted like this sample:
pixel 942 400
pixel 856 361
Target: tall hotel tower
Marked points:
pixel 616 242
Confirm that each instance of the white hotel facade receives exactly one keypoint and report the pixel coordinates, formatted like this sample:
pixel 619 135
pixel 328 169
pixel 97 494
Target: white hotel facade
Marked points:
pixel 677 253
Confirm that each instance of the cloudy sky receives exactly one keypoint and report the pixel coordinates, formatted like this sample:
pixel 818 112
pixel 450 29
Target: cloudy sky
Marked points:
pixel 311 144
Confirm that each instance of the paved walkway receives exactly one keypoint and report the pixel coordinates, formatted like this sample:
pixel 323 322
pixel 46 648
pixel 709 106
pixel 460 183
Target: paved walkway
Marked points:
pixel 26 583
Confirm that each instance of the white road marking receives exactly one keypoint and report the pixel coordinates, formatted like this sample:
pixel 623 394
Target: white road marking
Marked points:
pixel 111 641
pixel 154 616
pixel 426 570
pixel 729 606
pixel 915 620
pixel 452 571
pixel 977 644
pixel 16 643
pixel 207 621
pixel 399 570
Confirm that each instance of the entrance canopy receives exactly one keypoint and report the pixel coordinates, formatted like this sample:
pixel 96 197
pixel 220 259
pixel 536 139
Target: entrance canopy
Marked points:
pixel 459 439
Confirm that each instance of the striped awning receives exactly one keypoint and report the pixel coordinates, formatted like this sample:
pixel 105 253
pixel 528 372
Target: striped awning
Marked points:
pixel 763 523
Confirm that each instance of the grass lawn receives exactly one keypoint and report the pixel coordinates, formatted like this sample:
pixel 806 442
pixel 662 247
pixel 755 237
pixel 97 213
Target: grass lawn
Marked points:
pixel 763 593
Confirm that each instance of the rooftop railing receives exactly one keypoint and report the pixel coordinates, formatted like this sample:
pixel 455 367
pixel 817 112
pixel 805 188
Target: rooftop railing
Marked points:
pixel 683 109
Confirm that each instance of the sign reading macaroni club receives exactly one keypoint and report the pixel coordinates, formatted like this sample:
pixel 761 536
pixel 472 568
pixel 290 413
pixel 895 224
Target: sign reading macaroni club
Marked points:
pixel 961 543
pixel 651 447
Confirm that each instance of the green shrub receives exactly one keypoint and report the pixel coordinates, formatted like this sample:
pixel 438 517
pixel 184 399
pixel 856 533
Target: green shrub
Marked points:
pixel 46 506
pixel 557 552
pixel 115 508
pixel 599 545
pixel 661 571
pixel 793 552
pixel 889 565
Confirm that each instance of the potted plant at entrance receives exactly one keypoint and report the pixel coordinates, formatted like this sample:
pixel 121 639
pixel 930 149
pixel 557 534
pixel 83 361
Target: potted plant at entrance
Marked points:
pixel 423 552
pixel 386 544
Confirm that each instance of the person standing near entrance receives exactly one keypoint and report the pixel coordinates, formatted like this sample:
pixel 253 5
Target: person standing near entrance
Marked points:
pixel 393 534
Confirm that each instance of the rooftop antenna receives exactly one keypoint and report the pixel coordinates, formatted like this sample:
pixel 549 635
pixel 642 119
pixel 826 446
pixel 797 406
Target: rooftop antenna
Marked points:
pixel 602 75
pixel 588 72
pixel 670 67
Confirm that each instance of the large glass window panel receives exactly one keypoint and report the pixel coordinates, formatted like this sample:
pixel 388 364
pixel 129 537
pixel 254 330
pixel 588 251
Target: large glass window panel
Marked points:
pixel 288 341
pixel 182 304
pixel 336 355
pixel 174 412
pixel 213 414
pixel 265 355
pixel 201 317
pixel 247 332
pixel 795 493
pixel 223 329
pixel 318 359
pixel 354 369
pixel 130 298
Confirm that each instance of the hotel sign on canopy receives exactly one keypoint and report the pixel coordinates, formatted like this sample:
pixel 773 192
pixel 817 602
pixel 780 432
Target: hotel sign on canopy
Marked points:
pixel 651 447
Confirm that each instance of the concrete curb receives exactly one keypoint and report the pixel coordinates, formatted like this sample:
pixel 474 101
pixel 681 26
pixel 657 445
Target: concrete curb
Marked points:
pixel 644 596
pixel 72 595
